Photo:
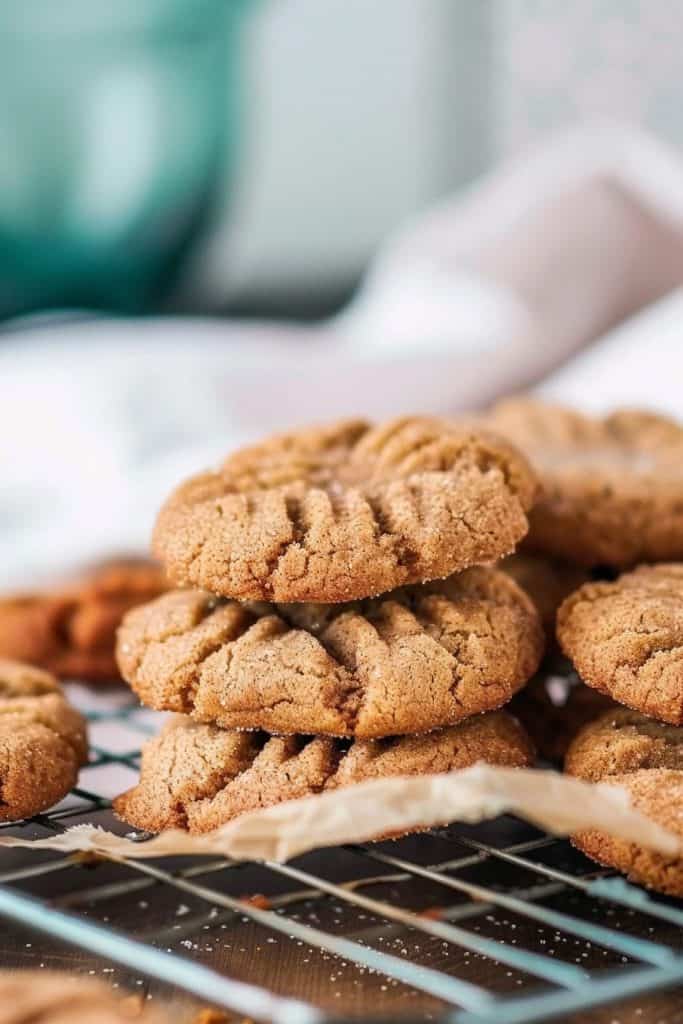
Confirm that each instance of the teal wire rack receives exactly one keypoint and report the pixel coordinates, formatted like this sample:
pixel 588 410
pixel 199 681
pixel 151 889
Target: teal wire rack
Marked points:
pixel 498 923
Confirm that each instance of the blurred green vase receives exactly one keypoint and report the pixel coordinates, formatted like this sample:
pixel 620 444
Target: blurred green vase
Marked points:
pixel 117 121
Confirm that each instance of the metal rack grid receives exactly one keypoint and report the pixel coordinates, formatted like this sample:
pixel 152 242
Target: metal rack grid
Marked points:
pixel 499 923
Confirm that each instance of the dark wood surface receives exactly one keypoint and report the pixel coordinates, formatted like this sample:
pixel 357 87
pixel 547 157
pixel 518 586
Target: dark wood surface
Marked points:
pixel 233 945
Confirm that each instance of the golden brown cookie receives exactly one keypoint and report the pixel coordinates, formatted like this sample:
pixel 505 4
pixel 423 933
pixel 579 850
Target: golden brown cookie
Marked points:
pixel 646 758
pixel 621 741
pixel 417 659
pixel 626 639
pixel 199 776
pixel 53 997
pixel 547 583
pixel 42 741
pixel 72 631
pixel 553 709
pixel 658 793
pixel 611 489
pixel 347 511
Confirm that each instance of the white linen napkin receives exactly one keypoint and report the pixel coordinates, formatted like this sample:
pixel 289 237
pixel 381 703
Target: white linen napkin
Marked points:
pixel 487 293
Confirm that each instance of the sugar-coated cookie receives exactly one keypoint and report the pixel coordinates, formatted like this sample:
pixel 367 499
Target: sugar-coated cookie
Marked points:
pixel 621 740
pixel 646 758
pixel 42 741
pixel 625 639
pixel 347 511
pixel 658 793
pixel 611 488
pixel 417 659
pixel 198 777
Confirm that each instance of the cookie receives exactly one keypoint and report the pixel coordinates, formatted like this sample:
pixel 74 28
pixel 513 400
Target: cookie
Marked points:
pixel 646 758
pixel 72 631
pixel 197 777
pixel 658 793
pixel 553 709
pixel 42 741
pixel 417 659
pixel 347 511
pixel 53 997
pixel 611 489
pixel 621 741
pixel 625 639
pixel 547 583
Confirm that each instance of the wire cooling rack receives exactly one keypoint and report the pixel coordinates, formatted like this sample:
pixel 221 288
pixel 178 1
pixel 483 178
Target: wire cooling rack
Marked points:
pixel 498 923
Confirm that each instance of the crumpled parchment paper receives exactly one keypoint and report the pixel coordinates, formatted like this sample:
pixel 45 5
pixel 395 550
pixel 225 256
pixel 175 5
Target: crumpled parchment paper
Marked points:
pixel 370 810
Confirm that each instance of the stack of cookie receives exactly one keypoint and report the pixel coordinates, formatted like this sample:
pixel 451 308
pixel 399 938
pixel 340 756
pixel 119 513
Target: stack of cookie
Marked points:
pixel 611 496
pixel 347 627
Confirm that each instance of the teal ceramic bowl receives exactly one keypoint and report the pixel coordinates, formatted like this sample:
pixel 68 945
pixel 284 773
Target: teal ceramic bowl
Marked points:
pixel 117 122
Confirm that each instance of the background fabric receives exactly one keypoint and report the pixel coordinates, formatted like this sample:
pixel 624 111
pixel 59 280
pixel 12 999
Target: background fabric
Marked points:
pixel 559 272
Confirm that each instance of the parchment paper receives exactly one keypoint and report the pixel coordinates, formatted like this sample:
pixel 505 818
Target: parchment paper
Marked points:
pixel 557 803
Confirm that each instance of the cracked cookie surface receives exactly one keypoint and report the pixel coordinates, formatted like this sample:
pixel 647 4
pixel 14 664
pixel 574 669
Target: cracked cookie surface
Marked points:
pixel 198 777
pixel 347 511
pixel 620 741
pixel 625 639
pixel 611 489
pixel 71 631
pixel 55 997
pixel 658 793
pixel 417 659
pixel 42 741
pixel 627 749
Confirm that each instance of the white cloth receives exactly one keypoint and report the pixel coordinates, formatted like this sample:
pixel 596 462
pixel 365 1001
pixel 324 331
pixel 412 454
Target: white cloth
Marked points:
pixel 488 293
